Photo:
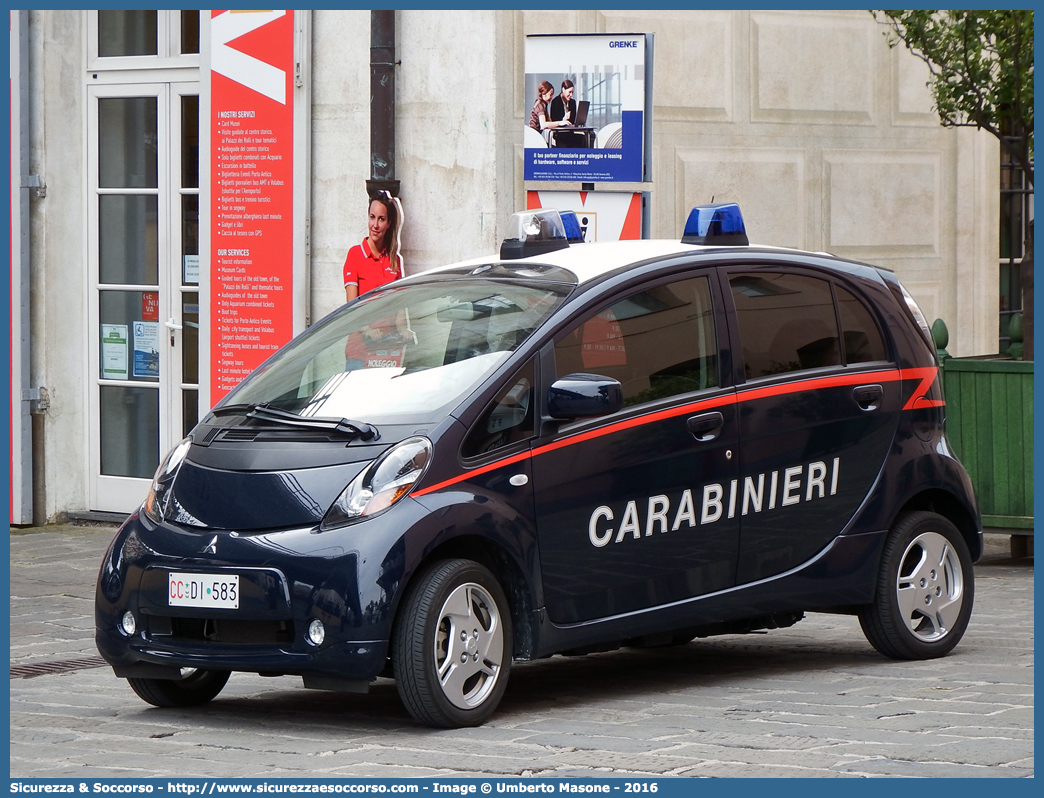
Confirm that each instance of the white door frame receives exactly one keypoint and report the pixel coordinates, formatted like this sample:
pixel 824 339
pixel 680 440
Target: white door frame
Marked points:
pixel 121 493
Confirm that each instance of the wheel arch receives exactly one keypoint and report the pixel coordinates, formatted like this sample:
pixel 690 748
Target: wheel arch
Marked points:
pixel 507 571
pixel 937 500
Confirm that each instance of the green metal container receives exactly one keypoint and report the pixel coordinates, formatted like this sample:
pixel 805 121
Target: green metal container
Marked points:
pixel 989 421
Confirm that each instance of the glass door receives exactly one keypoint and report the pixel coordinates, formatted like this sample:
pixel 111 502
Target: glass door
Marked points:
pixel 143 147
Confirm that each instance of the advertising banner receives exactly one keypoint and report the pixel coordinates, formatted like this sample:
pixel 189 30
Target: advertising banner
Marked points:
pixel 251 178
pixel 603 215
pixel 586 99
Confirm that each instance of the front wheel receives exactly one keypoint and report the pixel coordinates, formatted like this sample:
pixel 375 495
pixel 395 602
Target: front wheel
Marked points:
pixel 925 590
pixel 452 645
pixel 195 687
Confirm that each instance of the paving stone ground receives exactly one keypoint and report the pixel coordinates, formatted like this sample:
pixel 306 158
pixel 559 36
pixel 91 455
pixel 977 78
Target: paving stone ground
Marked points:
pixel 812 700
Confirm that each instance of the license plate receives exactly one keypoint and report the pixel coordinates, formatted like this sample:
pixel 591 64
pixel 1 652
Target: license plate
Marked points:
pixel 203 590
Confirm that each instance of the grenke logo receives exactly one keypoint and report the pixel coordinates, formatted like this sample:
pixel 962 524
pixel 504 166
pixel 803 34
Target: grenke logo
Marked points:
pixel 791 486
pixel 625 43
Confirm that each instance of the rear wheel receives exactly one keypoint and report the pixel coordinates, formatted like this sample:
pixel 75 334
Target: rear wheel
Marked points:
pixel 925 590
pixel 195 687
pixel 452 645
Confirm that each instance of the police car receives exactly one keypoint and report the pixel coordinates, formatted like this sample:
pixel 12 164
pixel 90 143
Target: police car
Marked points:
pixel 564 449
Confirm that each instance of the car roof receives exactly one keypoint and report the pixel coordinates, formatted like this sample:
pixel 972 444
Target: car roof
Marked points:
pixel 590 261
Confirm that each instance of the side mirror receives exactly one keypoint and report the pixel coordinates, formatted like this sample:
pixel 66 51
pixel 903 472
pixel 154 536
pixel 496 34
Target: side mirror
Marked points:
pixel 583 395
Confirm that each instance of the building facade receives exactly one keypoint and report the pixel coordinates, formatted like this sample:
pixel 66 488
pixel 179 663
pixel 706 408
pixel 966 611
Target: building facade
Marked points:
pixel 823 135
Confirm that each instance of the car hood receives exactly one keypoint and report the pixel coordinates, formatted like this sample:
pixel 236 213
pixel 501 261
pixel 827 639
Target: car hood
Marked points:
pixel 214 498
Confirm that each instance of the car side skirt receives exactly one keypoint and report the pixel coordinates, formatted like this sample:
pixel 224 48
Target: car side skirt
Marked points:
pixel 842 574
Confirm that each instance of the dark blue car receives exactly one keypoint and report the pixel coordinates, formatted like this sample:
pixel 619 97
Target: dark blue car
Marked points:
pixel 567 448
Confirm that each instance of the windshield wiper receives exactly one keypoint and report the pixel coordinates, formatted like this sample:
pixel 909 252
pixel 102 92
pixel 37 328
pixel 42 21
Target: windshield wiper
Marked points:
pixel 366 432
pixel 242 408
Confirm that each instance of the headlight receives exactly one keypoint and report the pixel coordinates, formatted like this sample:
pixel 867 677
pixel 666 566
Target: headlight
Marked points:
pixel 382 483
pixel 155 506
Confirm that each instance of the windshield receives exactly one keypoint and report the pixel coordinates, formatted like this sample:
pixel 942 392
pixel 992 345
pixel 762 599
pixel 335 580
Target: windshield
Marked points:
pixel 403 355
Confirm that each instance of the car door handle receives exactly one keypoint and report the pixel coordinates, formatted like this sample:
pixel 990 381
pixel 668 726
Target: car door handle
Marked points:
pixel 706 426
pixel 867 396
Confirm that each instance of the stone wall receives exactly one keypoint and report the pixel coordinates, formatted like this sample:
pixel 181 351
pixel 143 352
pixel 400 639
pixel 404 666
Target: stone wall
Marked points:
pixel 58 251
pixel 824 135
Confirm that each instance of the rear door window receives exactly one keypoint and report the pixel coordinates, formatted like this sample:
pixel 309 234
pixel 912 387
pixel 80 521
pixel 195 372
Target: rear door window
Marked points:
pixel 786 323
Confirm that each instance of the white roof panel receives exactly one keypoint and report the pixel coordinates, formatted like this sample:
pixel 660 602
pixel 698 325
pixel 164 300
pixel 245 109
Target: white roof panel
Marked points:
pixel 588 261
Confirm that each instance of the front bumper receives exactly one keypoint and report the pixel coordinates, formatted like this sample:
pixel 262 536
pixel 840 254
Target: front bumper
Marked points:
pixel 348 579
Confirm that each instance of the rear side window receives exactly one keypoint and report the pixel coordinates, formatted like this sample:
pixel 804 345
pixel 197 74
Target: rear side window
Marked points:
pixel 658 343
pixel 786 322
pixel 863 341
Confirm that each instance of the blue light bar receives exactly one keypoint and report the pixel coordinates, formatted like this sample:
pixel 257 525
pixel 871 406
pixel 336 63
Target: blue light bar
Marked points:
pixel 574 235
pixel 718 225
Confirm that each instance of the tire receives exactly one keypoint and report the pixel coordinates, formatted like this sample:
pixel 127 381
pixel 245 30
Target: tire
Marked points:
pixel 925 590
pixel 195 687
pixel 452 645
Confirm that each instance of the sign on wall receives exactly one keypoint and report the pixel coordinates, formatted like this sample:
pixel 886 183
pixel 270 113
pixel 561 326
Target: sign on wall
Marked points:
pixel 586 108
pixel 251 191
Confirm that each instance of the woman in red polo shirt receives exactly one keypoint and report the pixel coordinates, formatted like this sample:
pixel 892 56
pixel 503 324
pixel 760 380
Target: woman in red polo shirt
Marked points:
pixel 376 260
pixel 373 263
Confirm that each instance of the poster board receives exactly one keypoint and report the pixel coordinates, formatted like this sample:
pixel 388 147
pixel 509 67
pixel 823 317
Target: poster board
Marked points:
pixel 607 71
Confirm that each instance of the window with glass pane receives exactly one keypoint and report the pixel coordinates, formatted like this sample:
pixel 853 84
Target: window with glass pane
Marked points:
pixel 128 247
pixel 129 430
pixel 863 340
pixel 189 32
pixel 786 323
pixel 127 33
pixel 127 142
pixel 658 343
pixel 1016 198
pixel 190 239
pixel 190 338
pixel 130 335
pixel 190 141
pixel 189 410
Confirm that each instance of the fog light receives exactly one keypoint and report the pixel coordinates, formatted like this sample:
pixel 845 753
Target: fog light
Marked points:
pixel 316 632
pixel 127 623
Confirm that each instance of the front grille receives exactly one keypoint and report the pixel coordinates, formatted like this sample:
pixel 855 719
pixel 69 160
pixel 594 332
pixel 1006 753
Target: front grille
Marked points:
pixel 225 631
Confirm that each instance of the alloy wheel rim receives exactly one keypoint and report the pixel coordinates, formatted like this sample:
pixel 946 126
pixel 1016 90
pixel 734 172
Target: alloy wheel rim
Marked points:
pixel 930 586
pixel 469 646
